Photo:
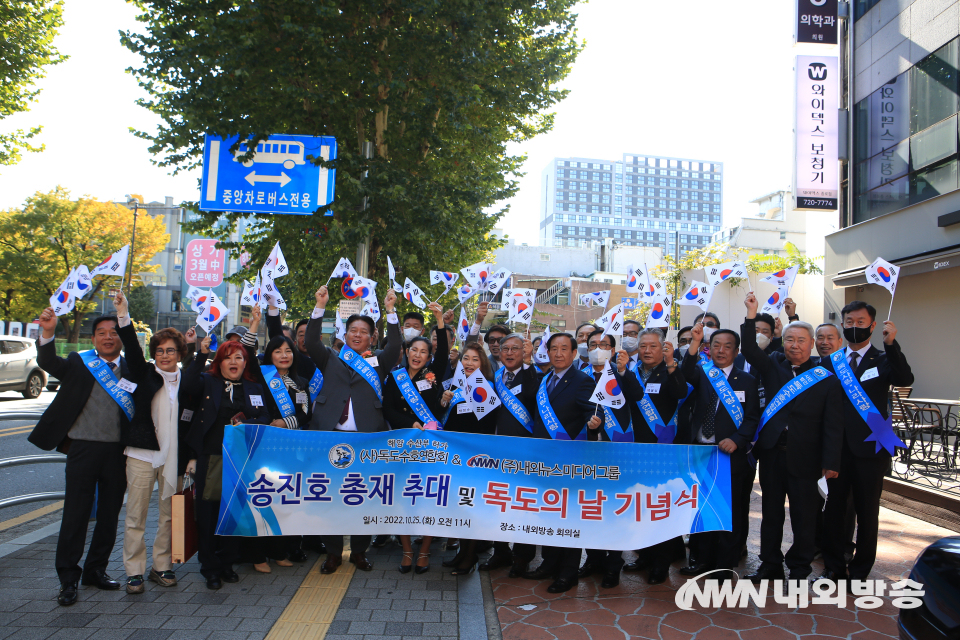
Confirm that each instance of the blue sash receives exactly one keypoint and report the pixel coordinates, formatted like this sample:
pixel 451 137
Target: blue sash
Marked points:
pixel 671 431
pixel 278 390
pixel 412 396
pixel 316 383
pixel 881 429
pixel 790 391
pixel 549 416
pixel 614 429
pixel 456 399
pixel 514 406
pixel 653 419
pixel 353 360
pixel 724 391
pixel 104 375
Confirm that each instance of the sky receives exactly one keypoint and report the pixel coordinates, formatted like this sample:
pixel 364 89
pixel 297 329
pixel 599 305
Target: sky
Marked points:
pixel 697 79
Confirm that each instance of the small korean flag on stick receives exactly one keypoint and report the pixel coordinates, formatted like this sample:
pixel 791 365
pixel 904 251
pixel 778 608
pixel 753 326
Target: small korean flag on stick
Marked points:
pixel 446 278
pixel 413 294
pixel 659 315
pixel 720 272
pixel 276 265
pixel 497 280
pixel 656 288
pixel 344 269
pixel 83 282
pixel 774 303
pixel 249 297
pixel 884 274
pixel 480 395
pixel 698 295
pixel 465 292
pixel 459 376
pixel 541 356
pixel 212 313
pixel 595 298
pixel 782 278
pixel 371 308
pixel 270 294
pixel 463 326
pixel 637 279
pixel 63 301
pixel 113 265
pixel 200 299
pixel 612 321
pixel 608 392
pixel 393 275
pixel 477 274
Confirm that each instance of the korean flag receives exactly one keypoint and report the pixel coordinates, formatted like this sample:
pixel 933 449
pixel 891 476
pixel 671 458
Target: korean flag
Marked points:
pixel 463 326
pixel 459 377
pixel 465 292
pixel 497 280
pixel 198 302
pixel 83 282
pixel 637 279
pixel 782 278
pixel 596 298
pixel 364 288
pixel 344 270
pixel 413 294
pixel 113 265
pixel 477 274
pixel 698 295
pixel 719 272
pixel 659 315
pixel 340 329
pixel 63 301
pixel 884 274
pixel 480 395
pixel 446 278
pixel 192 294
pixel 774 303
pixel 212 313
pixel 612 321
pixel 608 391
pixel 656 288
pixel 270 294
pixel 541 356
pixel 250 297
pixel 393 275
pixel 276 265
pixel 371 308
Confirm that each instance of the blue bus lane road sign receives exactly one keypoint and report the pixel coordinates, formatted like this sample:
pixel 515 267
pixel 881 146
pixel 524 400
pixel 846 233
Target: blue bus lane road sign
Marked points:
pixel 279 178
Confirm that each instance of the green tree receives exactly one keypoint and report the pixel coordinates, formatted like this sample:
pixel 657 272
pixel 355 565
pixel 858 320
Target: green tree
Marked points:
pixel 26 47
pixel 439 89
pixel 143 306
pixel 52 234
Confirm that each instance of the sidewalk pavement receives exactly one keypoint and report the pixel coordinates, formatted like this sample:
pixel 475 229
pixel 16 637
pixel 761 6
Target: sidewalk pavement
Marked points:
pixel 298 603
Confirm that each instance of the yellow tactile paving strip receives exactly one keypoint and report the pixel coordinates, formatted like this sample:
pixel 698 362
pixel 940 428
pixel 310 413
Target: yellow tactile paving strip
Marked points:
pixel 27 517
pixel 310 612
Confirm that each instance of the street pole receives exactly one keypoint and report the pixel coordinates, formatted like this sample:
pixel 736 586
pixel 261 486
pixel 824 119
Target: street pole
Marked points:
pixel 133 245
pixel 676 290
pixel 363 249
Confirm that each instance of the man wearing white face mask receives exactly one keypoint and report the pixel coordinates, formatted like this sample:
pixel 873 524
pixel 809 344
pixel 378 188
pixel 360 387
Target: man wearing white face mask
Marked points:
pixel 412 326
pixel 631 341
pixel 584 331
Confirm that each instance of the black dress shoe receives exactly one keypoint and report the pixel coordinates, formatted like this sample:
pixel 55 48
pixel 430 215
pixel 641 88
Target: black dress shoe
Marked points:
pixel 695 569
pixel 453 544
pixel 766 573
pixel 561 585
pixel 610 580
pixel 541 573
pixel 657 575
pixel 100 580
pixel 380 541
pixel 454 561
pixel 298 556
pixel 518 569
pixel 637 565
pixel 68 594
pixel 229 575
pixel 495 562
pixel 361 562
pixel 588 569
pixel 214 582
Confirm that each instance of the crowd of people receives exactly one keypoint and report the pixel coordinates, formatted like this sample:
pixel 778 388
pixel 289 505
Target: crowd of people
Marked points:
pixel 759 395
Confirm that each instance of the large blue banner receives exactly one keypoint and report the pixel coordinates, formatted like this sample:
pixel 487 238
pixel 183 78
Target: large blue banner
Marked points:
pixel 600 495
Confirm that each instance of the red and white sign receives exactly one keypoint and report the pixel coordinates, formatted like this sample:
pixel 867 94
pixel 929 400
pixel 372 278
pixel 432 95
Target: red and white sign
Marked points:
pixel 204 263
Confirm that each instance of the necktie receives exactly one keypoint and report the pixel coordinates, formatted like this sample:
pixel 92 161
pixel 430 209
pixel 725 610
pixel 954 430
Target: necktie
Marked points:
pixel 710 420
pixel 346 412
pixel 112 365
pixel 794 367
pixel 510 376
pixel 853 360
pixel 552 384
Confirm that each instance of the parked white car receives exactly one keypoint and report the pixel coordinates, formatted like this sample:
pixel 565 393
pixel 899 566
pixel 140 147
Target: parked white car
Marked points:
pixel 18 367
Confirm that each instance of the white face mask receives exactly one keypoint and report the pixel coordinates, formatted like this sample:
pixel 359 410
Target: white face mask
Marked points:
pixel 583 350
pixel 599 356
pixel 410 333
pixel 762 341
pixel 683 350
pixel 630 344
pixel 707 332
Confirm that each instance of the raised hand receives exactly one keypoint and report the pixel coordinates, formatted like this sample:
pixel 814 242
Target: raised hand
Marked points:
pixel 697 332
pixel 751 303
pixel 790 307
pixel 390 301
pixel 205 345
pixel 777 328
pixel 889 332
pixel 447 396
pixel 448 317
pixel 48 322
pixel 623 359
pixel 437 312
pixel 527 350
pixel 482 311
pixel 594 422
pixel 191 335
pixel 120 303
pixel 322 296
pixel 255 315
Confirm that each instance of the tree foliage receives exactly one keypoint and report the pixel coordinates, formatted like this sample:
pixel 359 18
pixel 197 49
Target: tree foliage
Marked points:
pixel 52 234
pixel 438 88
pixel 142 304
pixel 26 47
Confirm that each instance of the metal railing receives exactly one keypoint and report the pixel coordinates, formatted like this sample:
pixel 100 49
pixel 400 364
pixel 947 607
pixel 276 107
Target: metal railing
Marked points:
pixel 35 459
pixel 551 293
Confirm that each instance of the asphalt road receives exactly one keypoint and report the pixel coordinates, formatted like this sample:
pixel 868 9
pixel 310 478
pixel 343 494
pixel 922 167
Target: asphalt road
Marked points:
pixel 24 479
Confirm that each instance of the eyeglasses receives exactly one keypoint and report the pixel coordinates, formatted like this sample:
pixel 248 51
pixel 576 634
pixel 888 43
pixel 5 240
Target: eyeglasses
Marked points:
pixel 631 334
pixel 492 340
pixel 170 352
pixel 511 349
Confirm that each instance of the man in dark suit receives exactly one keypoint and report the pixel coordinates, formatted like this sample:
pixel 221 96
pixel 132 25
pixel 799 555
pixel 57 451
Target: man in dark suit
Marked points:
pixel 798 445
pixel 347 401
pixel 713 424
pixel 864 462
pixel 657 376
pixel 87 423
pixel 568 392
pixel 522 380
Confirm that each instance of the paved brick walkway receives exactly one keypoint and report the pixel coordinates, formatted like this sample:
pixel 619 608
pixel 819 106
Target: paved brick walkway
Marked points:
pixel 638 610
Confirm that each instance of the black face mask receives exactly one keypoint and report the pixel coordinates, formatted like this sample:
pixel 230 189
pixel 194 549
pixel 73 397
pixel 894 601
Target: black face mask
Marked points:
pixel 857 335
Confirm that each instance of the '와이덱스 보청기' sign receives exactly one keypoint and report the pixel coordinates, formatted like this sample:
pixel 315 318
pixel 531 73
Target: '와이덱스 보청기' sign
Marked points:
pixel 280 177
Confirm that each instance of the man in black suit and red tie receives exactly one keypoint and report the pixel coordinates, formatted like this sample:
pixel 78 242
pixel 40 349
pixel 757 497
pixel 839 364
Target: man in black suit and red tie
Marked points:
pixel 867 448
pixel 729 424
pixel 564 412
pixel 88 420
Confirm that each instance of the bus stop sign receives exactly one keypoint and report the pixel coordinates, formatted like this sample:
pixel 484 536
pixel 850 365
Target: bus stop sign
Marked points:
pixel 279 178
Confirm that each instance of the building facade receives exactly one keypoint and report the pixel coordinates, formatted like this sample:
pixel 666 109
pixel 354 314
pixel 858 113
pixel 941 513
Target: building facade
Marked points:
pixel 904 203
pixel 639 200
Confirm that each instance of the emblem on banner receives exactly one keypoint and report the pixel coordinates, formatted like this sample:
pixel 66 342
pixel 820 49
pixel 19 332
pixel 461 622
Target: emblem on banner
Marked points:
pixel 341 456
